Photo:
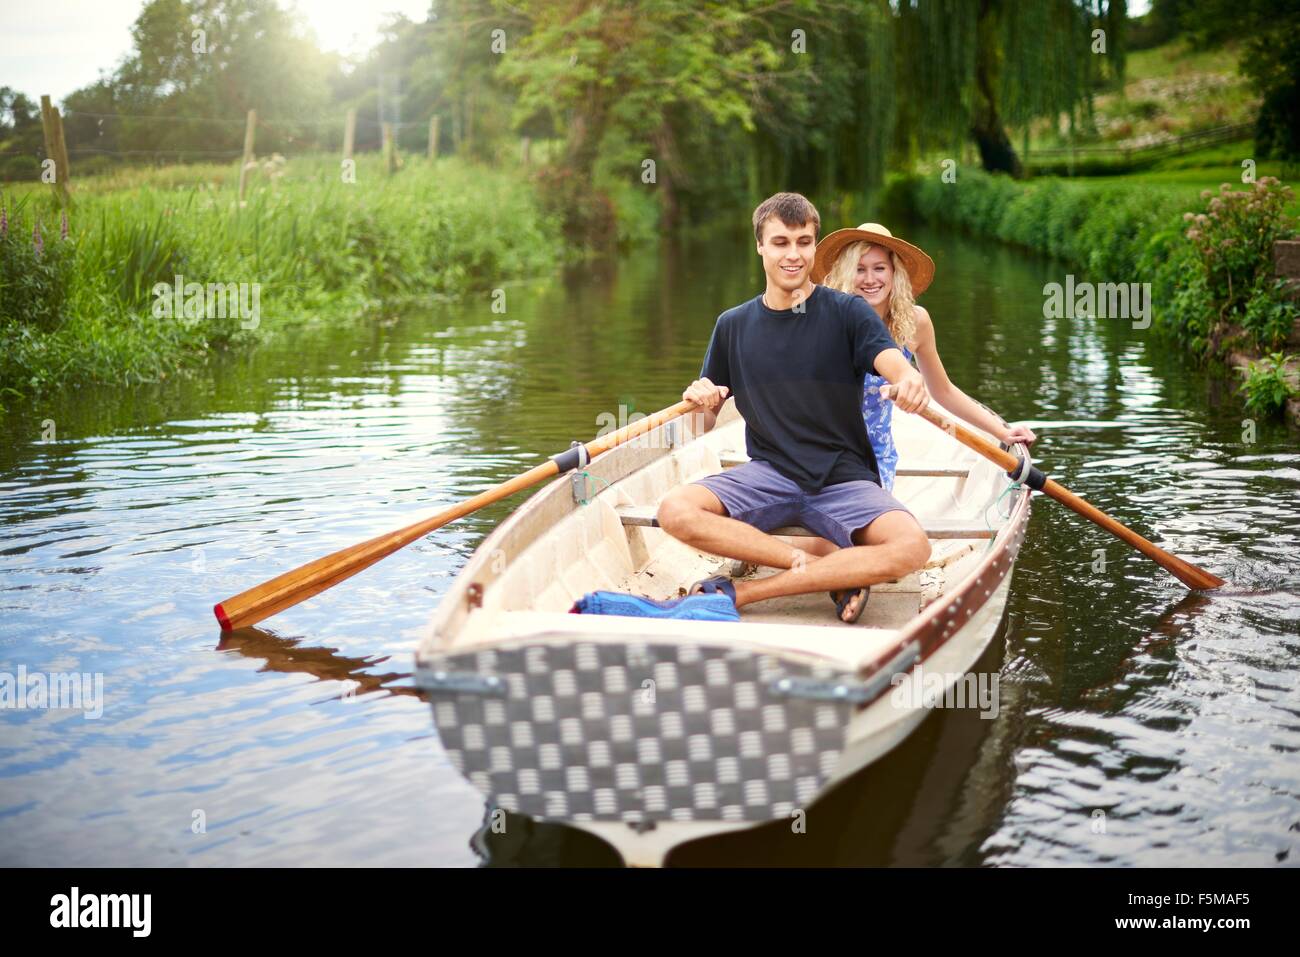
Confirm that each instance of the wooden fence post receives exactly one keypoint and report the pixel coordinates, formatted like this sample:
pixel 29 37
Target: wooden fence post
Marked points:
pixel 349 134
pixel 433 137
pixel 56 147
pixel 468 131
pixel 390 149
pixel 249 129
pixel 64 169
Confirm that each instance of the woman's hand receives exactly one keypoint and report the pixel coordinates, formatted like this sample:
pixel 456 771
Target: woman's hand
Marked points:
pixel 1019 433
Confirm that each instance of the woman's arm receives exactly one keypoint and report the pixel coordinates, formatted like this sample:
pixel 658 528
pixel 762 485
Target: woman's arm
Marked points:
pixel 952 398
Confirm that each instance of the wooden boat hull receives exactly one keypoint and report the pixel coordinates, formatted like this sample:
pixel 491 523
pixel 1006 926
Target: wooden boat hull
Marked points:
pixel 650 733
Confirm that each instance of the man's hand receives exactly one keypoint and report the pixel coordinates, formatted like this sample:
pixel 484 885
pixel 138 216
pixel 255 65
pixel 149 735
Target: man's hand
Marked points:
pixel 909 393
pixel 907 388
pixel 706 395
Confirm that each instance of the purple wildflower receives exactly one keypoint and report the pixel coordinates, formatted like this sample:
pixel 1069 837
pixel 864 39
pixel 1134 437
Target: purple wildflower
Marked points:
pixel 37 241
pixel 4 222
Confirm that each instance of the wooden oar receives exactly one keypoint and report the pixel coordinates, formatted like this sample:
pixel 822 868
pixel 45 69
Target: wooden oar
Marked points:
pixel 1185 572
pixel 284 591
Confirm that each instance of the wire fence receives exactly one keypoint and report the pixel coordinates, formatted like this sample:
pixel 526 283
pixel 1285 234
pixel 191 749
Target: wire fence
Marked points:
pixel 1133 152
pixel 94 141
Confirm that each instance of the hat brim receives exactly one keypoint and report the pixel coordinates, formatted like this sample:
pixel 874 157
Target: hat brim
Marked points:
pixel 919 266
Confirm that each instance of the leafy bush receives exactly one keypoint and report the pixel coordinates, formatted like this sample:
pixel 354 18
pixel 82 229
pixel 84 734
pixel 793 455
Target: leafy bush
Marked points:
pixel 1208 271
pixel 1234 240
pixel 1267 386
pixel 587 215
pixel 36 263
pixel 1270 314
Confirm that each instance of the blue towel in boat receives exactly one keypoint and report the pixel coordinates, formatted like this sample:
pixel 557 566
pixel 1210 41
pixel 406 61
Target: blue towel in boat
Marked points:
pixel 692 607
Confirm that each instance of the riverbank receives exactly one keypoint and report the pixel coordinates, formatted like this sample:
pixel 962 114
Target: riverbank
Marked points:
pixel 153 272
pixel 1207 254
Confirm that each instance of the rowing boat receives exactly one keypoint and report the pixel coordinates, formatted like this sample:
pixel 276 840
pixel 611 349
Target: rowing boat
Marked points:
pixel 650 733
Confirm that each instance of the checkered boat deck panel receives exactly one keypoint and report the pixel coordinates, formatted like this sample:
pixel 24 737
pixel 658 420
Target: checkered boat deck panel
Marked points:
pixel 641 732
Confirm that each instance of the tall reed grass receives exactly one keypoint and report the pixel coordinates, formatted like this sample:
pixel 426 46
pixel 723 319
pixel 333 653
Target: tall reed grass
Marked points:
pixel 323 250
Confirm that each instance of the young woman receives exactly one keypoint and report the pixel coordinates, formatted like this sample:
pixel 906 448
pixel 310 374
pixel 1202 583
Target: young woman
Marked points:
pixel 889 273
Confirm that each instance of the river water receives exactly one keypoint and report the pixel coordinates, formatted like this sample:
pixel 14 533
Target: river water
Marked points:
pixel 1138 724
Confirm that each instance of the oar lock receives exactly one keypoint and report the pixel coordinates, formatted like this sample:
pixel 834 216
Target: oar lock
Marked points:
pixel 574 457
pixel 1026 473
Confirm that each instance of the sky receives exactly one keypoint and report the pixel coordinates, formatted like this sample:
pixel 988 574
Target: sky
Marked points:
pixel 58 46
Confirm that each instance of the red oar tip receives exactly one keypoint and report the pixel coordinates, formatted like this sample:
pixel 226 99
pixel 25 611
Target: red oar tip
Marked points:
pixel 221 617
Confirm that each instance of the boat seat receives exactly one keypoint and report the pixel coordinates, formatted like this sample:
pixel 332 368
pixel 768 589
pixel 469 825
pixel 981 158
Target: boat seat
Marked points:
pixel 731 460
pixel 935 528
pixel 802 638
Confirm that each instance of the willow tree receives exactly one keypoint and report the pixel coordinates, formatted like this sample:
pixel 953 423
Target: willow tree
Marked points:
pixel 973 67
pixel 830 122
pixel 626 82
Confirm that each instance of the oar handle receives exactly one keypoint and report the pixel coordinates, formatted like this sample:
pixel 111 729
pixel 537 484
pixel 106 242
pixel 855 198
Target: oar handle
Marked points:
pixel 1189 574
pixel 261 601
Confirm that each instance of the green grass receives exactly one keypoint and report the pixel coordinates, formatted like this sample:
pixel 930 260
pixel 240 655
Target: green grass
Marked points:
pixel 1177 58
pixel 321 250
pixel 1188 174
pixel 1169 91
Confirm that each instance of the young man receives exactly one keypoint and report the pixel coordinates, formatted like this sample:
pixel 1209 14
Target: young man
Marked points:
pixel 795 358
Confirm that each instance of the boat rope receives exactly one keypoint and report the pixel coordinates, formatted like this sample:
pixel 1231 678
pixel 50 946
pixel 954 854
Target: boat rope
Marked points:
pixel 587 475
pixel 1013 485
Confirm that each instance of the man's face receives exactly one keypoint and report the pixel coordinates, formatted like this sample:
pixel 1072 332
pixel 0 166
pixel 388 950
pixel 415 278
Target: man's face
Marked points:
pixel 787 253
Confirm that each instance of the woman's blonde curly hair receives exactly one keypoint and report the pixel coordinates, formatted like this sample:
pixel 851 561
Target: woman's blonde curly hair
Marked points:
pixel 900 311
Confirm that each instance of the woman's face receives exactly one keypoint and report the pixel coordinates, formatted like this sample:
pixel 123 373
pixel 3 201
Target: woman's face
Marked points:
pixel 875 278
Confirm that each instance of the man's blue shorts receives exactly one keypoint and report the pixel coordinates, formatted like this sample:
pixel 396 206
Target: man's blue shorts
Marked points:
pixel 757 494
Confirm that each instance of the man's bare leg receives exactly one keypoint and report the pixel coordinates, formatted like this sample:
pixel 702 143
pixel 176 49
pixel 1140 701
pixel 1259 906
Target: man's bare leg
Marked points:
pixel 694 515
pixel 889 548
pixel 892 546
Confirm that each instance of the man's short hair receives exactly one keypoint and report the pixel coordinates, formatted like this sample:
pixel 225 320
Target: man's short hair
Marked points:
pixel 793 209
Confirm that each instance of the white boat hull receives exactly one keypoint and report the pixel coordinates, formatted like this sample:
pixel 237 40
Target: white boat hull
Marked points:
pixel 724 748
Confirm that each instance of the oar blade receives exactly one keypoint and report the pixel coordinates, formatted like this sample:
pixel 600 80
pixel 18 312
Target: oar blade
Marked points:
pixel 1184 571
pixel 264 600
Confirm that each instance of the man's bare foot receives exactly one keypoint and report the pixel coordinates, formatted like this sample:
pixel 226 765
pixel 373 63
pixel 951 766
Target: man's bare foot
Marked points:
pixel 852 609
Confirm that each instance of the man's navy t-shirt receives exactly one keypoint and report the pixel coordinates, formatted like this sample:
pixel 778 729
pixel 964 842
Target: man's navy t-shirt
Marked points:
pixel 797 378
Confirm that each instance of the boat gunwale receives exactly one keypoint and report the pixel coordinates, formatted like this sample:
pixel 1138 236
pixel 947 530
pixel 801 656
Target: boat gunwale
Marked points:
pixel 931 634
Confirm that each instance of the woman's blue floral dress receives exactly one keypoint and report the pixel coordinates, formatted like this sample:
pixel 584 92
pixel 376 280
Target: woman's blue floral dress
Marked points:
pixel 877 413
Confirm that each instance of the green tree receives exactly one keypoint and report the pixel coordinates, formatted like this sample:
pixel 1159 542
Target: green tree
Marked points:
pixel 628 82
pixel 976 67
pixel 1269 31
pixel 196 67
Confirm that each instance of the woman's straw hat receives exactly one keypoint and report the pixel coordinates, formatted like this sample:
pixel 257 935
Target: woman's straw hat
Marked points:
pixel 919 266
